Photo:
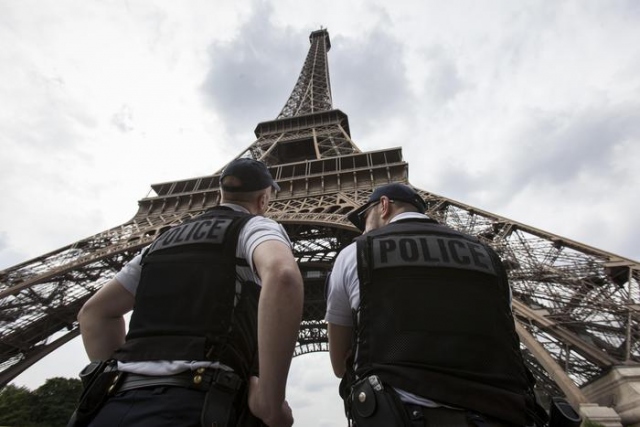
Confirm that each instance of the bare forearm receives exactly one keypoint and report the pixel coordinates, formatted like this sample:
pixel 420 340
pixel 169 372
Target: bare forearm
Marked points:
pixel 101 337
pixel 102 322
pixel 279 316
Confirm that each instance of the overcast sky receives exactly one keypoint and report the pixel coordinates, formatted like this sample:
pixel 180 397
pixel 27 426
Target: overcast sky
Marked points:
pixel 527 109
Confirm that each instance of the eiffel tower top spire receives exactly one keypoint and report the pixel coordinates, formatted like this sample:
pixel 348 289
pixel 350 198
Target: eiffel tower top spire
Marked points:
pixel 312 92
pixel 307 128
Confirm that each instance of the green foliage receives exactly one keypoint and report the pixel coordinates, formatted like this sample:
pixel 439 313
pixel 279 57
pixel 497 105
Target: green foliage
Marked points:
pixel 56 399
pixel 50 405
pixel 16 404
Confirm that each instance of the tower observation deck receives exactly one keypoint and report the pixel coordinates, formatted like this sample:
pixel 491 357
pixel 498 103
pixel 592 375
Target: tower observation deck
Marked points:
pixel 577 308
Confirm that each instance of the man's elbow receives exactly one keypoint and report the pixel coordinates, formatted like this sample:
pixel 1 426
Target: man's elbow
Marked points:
pixel 86 313
pixel 290 277
pixel 338 363
pixel 339 371
pixel 83 314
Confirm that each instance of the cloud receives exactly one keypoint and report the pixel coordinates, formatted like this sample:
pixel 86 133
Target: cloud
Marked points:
pixel 369 80
pixel 554 148
pixel 560 147
pixel 523 109
pixel 8 256
pixel 443 78
pixel 247 74
pixel 565 171
pixel 123 119
pixel 312 391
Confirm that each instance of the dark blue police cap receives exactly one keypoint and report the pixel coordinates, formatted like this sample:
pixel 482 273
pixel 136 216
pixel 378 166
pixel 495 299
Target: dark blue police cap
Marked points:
pixel 252 174
pixel 395 191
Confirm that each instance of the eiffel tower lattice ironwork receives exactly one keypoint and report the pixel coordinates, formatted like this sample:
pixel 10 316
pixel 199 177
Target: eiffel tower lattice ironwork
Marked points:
pixel 577 307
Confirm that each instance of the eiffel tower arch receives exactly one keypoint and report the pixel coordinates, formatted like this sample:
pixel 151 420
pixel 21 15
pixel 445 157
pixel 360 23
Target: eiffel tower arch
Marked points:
pixel 577 308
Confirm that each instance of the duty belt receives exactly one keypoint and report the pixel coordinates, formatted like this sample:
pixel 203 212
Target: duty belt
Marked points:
pixel 446 417
pixel 201 379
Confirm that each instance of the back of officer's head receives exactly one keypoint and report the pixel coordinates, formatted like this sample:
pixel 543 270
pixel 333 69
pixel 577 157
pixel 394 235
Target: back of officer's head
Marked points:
pixel 404 196
pixel 246 175
pixel 247 182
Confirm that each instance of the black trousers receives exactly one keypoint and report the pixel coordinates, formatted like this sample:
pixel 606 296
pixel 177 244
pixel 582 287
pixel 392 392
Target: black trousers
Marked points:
pixel 421 416
pixel 152 407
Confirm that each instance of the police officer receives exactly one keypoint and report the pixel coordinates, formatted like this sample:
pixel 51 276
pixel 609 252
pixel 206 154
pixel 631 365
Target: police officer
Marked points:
pixel 420 324
pixel 214 297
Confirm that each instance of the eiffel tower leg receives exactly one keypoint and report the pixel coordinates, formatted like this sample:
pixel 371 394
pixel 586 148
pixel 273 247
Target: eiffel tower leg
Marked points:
pixel 619 389
pixel 34 356
pixel 573 393
pixel 577 306
pixel 577 397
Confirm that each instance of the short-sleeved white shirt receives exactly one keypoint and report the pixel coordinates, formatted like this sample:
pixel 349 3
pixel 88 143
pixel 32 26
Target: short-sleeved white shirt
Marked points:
pixel 256 231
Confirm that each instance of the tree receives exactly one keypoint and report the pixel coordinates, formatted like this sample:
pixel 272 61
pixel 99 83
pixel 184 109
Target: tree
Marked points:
pixel 50 405
pixel 56 400
pixel 16 404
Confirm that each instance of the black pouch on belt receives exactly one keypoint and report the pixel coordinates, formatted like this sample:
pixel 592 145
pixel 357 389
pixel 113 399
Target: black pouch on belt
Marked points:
pixel 99 380
pixel 247 419
pixel 371 405
pixel 218 409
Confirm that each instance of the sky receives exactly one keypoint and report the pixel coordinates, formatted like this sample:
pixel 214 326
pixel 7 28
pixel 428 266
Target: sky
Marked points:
pixel 529 110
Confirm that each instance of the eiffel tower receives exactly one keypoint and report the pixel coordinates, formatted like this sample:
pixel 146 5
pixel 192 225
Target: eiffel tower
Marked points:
pixel 577 308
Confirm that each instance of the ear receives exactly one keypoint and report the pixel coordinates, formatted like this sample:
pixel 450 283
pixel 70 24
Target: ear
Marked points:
pixel 263 201
pixel 385 207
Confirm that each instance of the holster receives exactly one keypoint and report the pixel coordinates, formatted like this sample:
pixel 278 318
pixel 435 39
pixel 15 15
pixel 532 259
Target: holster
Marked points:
pixel 99 379
pixel 247 419
pixel 370 404
pixel 562 414
pixel 226 405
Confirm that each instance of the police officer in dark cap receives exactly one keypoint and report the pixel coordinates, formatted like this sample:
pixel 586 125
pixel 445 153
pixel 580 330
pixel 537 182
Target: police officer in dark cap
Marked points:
pixel 420 323
pixel 213 298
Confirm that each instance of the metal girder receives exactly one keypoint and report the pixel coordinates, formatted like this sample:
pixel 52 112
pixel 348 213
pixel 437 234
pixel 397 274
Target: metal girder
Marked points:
pixel 577 307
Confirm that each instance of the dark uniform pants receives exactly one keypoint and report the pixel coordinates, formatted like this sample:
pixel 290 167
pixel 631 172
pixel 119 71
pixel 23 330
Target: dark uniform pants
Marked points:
pixel 152 407
pixel 421 416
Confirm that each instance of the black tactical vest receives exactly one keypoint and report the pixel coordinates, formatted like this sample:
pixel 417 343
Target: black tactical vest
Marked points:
pixel 188 305
pixel 435 319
